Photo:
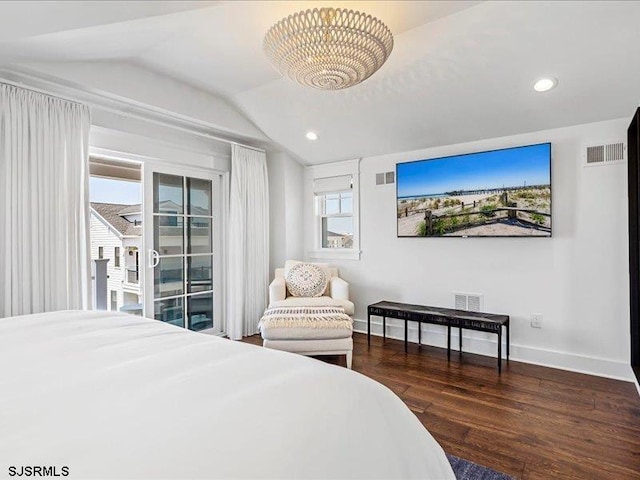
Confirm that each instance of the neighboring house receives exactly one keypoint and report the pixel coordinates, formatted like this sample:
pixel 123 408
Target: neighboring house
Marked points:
pixel 339 240
pixel 116 234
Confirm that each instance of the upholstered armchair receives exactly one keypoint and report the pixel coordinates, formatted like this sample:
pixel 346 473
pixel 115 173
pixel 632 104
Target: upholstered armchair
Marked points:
pixel 309 325
pixel 336 294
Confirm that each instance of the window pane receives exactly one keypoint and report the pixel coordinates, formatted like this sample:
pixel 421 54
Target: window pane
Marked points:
pixel 199 235
pixel 332 203
pixel 168 277
pixel 200 311
pixel 167 193
pixel 169 311
pixel 337 232
pixel 347 203
pixel 199 196
pixel 168 234
pixel 199 276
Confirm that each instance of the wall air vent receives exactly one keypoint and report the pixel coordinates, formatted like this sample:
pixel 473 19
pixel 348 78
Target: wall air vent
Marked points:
pixel 385 178
pixel 614 152
pixel 467 301
pixel 605 154
pixel 390 177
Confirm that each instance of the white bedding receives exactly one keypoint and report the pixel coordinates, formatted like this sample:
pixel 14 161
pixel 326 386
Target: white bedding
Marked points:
pixel 116 396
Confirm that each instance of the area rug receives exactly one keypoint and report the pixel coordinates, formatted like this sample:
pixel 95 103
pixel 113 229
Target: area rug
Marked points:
pixel 466 470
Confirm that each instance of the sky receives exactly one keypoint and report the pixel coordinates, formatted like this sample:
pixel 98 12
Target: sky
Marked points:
pixel 105 190
pixel 499 168
pixel 343 225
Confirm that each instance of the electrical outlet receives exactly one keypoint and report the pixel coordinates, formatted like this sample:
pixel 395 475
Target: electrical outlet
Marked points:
pixel 536 320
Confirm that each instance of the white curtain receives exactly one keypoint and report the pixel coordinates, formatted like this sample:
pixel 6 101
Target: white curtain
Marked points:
pixel 248 260
pixel 44 203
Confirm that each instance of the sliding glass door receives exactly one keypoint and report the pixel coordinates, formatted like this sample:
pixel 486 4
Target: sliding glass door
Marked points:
pixel 183 247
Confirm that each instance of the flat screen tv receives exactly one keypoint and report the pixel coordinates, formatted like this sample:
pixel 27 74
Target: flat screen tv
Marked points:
pixel 499 193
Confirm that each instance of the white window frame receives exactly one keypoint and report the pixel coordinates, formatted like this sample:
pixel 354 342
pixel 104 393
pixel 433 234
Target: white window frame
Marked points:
pixel 167 165
pixel 316 172
pixel 219 230
pixel 321 214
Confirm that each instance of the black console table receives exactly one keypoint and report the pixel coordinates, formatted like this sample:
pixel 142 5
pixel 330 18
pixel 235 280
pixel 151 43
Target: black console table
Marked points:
pixel 449 317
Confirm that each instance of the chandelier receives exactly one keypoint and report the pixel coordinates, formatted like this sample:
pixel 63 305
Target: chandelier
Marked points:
pixel 328 48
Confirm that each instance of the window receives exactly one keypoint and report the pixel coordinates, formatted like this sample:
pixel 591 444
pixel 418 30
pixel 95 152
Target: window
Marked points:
pixel 116 256
pixel 100 252
pixel 183 287
pixel 114 300
pixel 336 220
pixel 335 214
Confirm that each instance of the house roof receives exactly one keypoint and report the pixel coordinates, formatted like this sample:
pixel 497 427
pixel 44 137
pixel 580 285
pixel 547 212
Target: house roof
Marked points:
pixel 171 207
pixel 130 209
pixel 334 234
pixel 112 214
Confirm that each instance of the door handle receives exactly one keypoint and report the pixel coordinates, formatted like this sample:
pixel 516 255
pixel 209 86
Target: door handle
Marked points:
pixel 154 258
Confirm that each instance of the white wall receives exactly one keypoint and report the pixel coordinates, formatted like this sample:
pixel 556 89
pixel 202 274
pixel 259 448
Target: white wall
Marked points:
pixel 578 279
pixel 139 113
pixel 294 210
pixel 285 209
pixel 115 136
pixel 149 90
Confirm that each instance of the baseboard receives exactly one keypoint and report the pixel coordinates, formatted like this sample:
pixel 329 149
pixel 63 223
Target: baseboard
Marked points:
pixel 486 344
pixel 635 380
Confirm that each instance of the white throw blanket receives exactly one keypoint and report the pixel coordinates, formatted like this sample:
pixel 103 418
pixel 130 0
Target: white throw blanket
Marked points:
pixel 306 317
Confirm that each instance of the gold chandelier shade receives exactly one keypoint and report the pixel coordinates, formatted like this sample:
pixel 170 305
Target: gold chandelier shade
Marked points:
pixel 328 48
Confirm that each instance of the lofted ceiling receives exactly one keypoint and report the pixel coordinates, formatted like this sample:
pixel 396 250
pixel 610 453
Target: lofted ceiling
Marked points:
pixel 460 71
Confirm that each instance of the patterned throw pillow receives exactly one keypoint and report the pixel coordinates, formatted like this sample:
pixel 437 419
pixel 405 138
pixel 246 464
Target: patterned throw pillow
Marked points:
pixel 306 280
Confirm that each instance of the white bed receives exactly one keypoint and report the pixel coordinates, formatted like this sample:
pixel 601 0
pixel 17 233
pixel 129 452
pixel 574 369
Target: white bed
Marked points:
pixel 116 396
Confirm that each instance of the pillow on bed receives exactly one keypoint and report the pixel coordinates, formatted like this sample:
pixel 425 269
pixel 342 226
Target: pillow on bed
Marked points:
pixel 306 280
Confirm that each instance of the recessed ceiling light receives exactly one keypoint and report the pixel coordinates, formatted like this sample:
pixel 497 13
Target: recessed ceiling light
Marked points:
pixel 312 136
pixel 545 84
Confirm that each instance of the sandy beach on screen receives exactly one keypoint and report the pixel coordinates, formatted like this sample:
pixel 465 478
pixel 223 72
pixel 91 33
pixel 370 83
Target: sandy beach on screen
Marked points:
pixel 472 197
pixel 499 230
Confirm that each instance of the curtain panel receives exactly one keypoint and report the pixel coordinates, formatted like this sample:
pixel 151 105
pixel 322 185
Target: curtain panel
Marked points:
pixel 248 260
pixel 44 203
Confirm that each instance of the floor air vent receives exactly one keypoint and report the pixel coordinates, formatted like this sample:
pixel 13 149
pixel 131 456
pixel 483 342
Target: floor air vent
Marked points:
pixel 467 301
pixel 603 154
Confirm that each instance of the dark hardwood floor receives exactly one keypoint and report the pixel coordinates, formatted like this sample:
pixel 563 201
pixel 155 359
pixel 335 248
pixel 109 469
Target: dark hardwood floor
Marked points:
pixel 530 422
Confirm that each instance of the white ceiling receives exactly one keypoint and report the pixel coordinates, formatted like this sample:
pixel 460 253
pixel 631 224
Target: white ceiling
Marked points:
pixel 460 71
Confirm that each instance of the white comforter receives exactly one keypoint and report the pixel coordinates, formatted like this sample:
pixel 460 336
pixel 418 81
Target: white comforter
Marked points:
pixel 113 396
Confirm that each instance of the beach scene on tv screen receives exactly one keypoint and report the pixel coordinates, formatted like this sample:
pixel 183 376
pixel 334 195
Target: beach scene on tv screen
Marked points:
pixel 497 193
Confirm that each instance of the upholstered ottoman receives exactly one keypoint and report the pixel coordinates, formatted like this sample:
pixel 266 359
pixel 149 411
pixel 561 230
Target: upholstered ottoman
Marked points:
pixel 308 330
